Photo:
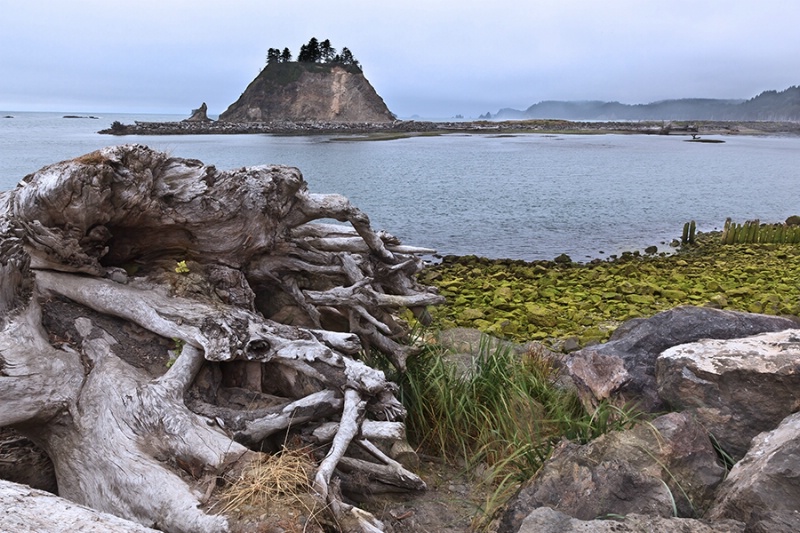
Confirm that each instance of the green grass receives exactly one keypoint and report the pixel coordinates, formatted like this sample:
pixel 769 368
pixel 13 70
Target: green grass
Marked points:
pixel 507 414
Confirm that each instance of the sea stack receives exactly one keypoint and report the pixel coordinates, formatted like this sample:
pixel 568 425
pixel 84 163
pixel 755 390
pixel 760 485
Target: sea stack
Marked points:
pixel 308 91
pixel 199 115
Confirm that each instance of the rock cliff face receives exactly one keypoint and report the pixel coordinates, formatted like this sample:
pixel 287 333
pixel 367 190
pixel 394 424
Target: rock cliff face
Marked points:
pixel 300 92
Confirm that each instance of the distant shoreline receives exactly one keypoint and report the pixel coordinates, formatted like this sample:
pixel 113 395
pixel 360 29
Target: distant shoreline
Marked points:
pixel 407 128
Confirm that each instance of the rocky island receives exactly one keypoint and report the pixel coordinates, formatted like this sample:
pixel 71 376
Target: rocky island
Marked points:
pixel 322 91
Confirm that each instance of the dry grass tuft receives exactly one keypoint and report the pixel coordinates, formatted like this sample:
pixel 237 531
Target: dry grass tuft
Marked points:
pixel 93 158
pixel 281 478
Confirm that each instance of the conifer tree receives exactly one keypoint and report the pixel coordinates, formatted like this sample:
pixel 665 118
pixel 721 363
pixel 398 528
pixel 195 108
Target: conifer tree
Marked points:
pixel 273 56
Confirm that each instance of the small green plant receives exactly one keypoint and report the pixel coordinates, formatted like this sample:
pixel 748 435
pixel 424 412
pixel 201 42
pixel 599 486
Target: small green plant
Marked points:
pixel 181 267
pixel 724 457
pixel 175 352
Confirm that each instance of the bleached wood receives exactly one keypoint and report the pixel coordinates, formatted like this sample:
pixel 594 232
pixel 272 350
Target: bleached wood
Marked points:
pixel 312 407
pixel 30 510
pixel 202 258
pixel 370 429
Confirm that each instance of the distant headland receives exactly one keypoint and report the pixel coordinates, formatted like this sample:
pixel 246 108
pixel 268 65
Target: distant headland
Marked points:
pixel 773 106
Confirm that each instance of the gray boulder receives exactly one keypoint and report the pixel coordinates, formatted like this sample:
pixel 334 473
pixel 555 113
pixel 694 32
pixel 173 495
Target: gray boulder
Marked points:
pixel 736 388
pixel 660 468
pixel 735 383
pixel 763 489
pixel 624 367
pixel 546 520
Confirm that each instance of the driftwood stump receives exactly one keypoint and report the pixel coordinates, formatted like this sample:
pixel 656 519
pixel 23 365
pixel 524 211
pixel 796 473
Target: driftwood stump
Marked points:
pixel 160 320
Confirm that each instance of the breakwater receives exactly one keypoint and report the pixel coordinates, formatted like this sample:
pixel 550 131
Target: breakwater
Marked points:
pixel 407 127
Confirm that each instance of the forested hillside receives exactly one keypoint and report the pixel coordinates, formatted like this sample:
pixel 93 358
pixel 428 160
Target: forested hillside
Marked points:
pixel 782 106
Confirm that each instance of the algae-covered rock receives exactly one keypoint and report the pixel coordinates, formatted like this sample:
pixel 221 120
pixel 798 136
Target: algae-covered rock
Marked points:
pixel 550 300
pixel 539 315
pixel 470 314
pixel 674 294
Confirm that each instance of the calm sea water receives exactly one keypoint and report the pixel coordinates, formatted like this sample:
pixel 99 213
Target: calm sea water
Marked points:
pixel 524 197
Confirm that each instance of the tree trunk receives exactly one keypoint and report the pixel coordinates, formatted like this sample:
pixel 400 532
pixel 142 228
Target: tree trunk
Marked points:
pixel 160 320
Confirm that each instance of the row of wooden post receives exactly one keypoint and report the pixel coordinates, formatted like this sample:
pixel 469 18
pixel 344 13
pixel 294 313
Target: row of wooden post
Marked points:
pixel 753 231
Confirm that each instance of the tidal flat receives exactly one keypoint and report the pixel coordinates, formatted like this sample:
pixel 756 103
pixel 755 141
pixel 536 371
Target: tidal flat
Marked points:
pixel 567 305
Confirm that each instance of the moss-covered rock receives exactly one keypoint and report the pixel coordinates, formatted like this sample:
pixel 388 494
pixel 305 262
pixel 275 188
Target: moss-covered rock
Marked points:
pixel 556 301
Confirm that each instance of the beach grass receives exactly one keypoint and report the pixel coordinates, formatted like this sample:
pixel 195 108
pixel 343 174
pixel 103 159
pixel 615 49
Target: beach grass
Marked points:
pixel 501 417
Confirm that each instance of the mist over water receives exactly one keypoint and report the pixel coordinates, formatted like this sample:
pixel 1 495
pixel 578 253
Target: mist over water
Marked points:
pixel 523 197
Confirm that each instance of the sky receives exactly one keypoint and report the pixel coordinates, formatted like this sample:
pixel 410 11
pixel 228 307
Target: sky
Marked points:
pixel 426 58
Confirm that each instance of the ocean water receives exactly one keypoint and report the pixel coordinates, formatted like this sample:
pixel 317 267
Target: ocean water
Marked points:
pixel 522 196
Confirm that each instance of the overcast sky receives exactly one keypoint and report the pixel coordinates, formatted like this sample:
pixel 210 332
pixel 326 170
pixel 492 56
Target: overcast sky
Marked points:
pixel 432 58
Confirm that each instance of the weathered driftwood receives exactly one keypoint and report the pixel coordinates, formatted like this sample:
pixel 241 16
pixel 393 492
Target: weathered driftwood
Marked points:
pixel 37 511
pixel 116 262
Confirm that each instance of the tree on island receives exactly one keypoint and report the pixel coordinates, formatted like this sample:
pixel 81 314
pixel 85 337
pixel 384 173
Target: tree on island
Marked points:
pixel 327 52
pixel 346 58
pixel 273 56
pixel 310 53
pixel 314 52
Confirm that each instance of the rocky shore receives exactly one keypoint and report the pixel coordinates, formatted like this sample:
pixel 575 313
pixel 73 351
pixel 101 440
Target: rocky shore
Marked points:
pixel 687 361
pixel 411 127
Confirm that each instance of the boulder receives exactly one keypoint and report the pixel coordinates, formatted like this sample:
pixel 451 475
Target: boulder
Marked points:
pixel 658 468
pixel 736 388
pixel 763 489
pixel 741 379
pixel 624 367
pixel 546 520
